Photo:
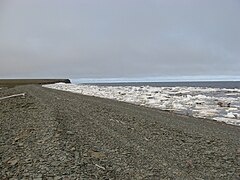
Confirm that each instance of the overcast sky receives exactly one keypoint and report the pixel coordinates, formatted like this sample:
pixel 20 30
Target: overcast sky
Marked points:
pixel 119 38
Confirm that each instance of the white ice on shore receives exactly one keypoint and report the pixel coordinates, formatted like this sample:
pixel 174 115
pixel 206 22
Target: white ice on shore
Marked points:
pixel 211 103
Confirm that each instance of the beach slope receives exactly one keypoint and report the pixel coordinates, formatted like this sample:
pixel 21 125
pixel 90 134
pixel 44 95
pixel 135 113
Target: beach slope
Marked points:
pixel 47 134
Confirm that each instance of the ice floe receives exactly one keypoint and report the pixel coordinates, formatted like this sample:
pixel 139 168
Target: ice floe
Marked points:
pixel 211 103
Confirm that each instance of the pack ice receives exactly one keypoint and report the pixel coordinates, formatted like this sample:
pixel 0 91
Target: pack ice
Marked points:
pixel 211 103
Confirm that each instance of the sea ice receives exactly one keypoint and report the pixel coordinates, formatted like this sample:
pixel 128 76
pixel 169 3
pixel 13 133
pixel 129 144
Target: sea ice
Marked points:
pixel 212 103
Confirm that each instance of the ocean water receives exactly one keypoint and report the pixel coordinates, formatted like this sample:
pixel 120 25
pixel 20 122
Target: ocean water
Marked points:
pixel 207 84
pixel 229 82
pixel 219 81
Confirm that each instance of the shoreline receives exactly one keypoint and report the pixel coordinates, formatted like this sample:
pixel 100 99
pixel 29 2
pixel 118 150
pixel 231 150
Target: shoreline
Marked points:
pixel 208 103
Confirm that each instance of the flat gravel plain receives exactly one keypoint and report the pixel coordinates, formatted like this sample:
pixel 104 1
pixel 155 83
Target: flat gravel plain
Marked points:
pixel 50 134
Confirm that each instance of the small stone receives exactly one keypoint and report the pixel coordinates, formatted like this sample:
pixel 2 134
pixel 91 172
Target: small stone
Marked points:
pixel 57 177
pixel 209 152
pixel 238 152
pixel 39 176
pixel 183 140
pixel 28 160
pixel 76 154
pixel 55 163
pixel 155 133
pixel 189 163
pixel 40 141
pixel 70 133
pixel 208 141
pixel 63 158
pixel 13 178
pixel 164 164
pixel 26 174
pixel 49 178
pixel 97 154
pixel 25 178
pixel 6 160
pixel 16 139
pixel 51 175
pixel 225 158
pixel 13 162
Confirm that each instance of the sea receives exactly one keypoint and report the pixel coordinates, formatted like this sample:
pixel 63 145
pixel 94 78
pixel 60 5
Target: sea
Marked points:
pixel 229 82
pixel 206 84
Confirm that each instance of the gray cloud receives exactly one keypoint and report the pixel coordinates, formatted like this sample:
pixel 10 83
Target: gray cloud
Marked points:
pixel 124 38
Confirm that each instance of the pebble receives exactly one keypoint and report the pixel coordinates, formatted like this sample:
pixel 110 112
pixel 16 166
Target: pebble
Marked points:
pixel 13 161
pixel 38 178
pixel 73 149
pixel 55 163
pixel 57 177
pixel 20 144
pixel 238 152
pixel 164 164
pixel 70 133
pixel 28 160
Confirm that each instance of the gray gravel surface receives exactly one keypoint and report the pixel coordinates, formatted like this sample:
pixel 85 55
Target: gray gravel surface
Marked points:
pixel 50 134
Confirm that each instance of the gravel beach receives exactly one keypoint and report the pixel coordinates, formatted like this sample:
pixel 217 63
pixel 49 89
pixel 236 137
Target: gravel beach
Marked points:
pixel 51 134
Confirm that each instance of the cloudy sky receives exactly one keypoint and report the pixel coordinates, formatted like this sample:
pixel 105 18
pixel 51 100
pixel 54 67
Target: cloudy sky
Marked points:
pixel 119 38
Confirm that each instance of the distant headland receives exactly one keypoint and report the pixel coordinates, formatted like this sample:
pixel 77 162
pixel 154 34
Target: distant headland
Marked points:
pixel 17 82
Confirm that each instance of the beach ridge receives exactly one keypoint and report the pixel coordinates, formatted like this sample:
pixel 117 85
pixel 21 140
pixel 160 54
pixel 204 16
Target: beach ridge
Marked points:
pixel 50 133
